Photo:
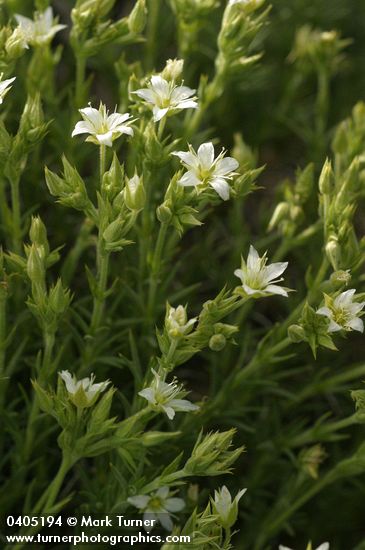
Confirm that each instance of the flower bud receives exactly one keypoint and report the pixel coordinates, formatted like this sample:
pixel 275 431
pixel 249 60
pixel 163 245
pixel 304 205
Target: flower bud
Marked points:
pixel 38 236
pixel 326 179
pixel 163 213
pixel 296 333
pixel 35 266
pixel 333 252
pixel 217 342
pixel 138 17
pixel 340 278
pixel 134 194
pixel 151 439
pixel 212 455
pixel 173 69
pixel 310 459
pixel 225 508
pixel 16 44
pixel 280 213
pixel 114 231
pixel 59 298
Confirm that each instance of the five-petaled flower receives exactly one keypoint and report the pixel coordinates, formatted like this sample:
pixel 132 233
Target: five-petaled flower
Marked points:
pixel 166 97
pixel 102 127
pixel 157 506
pixel 225 508
pixel 177 323
pixel 204 170
pixel 343 312
pixel 83 393
pixel 166 397
pixel 258 278
pixel 41 30
pixel 5 86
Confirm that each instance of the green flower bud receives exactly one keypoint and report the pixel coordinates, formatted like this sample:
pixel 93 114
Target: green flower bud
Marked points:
pixel 38 235
pixel 212 455
pixel 114 231
pixel 173 69
pixel 225 508
pixel 296 333
pixel 16 44
pixel 35 266
pixel 326 179
pixel 151 439
pixel 217 342
pixel 280 213
pixel 59 298
pixel 138 17
pixel 310 459
pixel 340 278
pixel 163 213
pixel 333 252
pixel 134 194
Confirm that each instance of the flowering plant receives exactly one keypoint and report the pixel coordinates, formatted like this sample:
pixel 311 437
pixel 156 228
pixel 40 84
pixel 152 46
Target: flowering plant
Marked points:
pixel 181 269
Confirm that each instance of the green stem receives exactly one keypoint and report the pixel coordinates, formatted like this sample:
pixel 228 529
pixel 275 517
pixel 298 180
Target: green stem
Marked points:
pixel 156 267
pixel 102 153
pixel 80 79
pixel 152 30
pixel 16 216
pixel 100 298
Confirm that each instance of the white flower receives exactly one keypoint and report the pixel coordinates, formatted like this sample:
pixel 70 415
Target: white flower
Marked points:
pixel 204 169
pixel 102 127
pixel 343 312
pixel 83 392
pixel 5 86
pixel 165 397
pixel 166 97
pixel 225 508
pixel 323 546
pixel 259 278
pixel 177 322
pixel 41 30
pixel 157 506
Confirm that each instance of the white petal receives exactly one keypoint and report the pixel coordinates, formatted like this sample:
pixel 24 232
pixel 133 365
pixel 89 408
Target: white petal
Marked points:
pixel 324 546
pixel 149 394
pixel 158 113
pixel 174 504
pixel 253 259
pixel 169 411
pixel 160 86
pixel 189 179
pixel 273 271
pixel 187 158
pixel 139 501
pixel 324 311
pixel 333 326
pixel 281 547
pixel 83 127
pixel 221 187
pixel 146 94
pixel 151 518
pixel 250 290
pixel 105 139
pixel 165 521
pixel 225 166
pixel 345 297
pixel 182 92
pixel 239 273
pixel 68 380
pixel 206 154
pixel 276 289
pixel 356 324
pixel 123 129
pixel 186 104
pixel 117 119
pixel 183 405
pixel 93 116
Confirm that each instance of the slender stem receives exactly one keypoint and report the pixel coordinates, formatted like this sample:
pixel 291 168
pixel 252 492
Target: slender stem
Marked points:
pixel 152 29
pixel 100 298
pixel 102 152
pixel 16 216
pixel 156 267
pixel 56 483
pixel 80 79
pixel 161 128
